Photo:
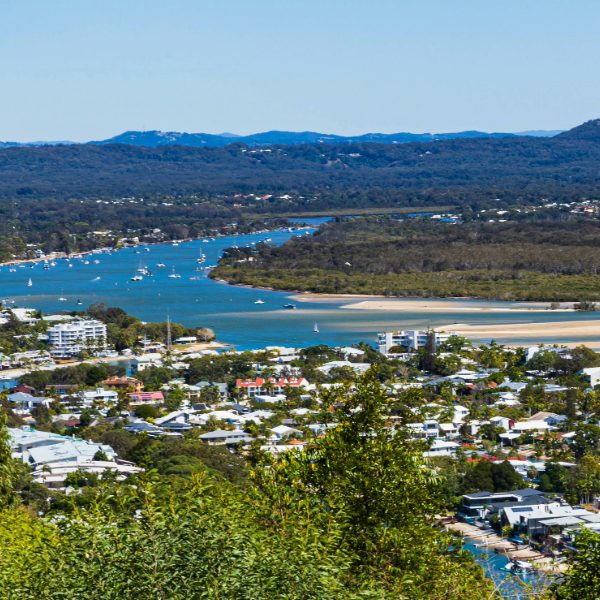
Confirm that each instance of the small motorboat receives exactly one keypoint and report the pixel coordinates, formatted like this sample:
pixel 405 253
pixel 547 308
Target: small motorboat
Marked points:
pixel 137 278
pixel 289 306
pixel 259 302
pixel 62 299
pixel 519 566
pixel 161 265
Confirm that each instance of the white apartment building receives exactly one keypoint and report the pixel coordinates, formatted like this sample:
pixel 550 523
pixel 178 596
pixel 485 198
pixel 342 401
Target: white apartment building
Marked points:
pixel 409 339
pixel 68 339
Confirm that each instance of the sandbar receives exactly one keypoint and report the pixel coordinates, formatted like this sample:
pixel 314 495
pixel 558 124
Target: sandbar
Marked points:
pixel 459 305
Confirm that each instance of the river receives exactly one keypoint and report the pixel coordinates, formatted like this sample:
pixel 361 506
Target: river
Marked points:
pixel 229 310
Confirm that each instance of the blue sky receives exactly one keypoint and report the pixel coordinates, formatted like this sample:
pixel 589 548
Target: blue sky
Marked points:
pixel 88 69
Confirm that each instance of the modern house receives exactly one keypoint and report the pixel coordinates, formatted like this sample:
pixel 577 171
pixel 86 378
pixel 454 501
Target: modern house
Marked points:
pixel 478 504
pixel 99 396
pixel 226 437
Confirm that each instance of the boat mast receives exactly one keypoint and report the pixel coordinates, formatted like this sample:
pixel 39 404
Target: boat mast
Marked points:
pixel 168 334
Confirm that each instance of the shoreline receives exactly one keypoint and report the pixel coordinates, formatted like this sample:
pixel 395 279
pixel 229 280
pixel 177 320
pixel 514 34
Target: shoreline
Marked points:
pixel 456 304
pixel 100 249
pixel 528 334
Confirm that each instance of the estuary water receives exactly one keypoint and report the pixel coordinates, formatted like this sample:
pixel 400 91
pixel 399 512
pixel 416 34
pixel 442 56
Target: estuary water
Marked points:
pixel 244 317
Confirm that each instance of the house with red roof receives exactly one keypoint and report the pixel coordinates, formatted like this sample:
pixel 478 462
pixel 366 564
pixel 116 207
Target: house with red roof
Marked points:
pixel 269 386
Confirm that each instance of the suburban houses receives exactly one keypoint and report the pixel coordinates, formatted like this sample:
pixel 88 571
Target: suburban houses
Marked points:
pixel 507 422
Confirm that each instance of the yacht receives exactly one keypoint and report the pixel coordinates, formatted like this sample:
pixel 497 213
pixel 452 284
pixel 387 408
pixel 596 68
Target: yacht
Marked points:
pixel 161 265
pixel 174 275
pixel 62 299
pixel 259 302
pixel 137 278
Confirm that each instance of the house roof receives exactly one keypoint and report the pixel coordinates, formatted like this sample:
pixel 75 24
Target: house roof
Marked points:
pixel 224 434
pixel 278 382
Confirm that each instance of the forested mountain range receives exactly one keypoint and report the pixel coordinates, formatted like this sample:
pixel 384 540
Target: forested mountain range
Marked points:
pixel 155 138
pixel 456 171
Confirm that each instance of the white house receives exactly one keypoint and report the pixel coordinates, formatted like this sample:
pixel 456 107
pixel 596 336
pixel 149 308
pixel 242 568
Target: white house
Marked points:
pixel 99 395
pixel 54 456
pixel 25 403
pixel 145 361
pixel 282 432
pixel 442 448
pixel 592 374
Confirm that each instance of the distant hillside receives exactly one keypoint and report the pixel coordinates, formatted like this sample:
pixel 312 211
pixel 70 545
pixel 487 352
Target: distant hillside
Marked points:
pixel 356 174
pixel 588 131
pixel 154 139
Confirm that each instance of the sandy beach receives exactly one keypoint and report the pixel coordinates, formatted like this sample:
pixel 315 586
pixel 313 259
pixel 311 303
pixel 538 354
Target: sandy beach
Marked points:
pixel 532 333
pixel 458 305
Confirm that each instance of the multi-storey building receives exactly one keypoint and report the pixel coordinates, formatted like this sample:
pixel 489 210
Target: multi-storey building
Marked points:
pixel 68 339
pixel 409 339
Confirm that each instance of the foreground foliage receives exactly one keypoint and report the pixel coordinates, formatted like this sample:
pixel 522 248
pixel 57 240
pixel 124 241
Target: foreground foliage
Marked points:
pixel 350 518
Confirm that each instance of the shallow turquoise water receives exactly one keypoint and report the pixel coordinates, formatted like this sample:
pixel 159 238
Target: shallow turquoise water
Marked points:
pixel 514 587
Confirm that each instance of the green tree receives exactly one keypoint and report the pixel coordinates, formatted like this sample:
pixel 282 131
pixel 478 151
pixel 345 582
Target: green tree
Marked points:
pixel 582 580
pixel 374 483
pixel 174 399
pixel 583 480
pixel 7 468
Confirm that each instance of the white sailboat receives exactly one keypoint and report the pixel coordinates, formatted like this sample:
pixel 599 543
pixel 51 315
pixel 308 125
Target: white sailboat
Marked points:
pixel 316 328
pixel 29 283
